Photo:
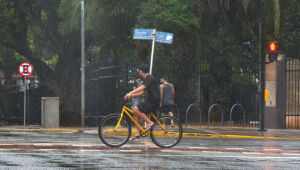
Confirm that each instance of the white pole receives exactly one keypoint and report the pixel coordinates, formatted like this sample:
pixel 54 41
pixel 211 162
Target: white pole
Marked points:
pixel 25 102
pixel 82 66
pixel 152 51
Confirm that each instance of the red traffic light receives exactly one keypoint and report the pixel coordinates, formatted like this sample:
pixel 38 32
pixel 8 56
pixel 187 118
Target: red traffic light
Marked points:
pixel 272 46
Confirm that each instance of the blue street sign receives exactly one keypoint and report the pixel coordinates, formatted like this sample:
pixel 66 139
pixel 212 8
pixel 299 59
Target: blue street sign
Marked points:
pixel 164 37
pixel 146 34
pixel 142 34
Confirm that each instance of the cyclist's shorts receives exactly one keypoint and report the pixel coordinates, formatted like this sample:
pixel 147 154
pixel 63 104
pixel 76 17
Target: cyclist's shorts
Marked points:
pixel 137 100
pixel 147 107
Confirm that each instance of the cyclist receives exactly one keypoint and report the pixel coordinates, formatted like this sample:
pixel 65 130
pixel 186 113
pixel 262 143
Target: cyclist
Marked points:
pixel 152 99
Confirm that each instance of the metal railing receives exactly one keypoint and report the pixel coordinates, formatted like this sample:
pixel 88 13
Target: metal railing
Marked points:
pixel 209 113
pixel 210 109
pixel 244 114
pixel 187 112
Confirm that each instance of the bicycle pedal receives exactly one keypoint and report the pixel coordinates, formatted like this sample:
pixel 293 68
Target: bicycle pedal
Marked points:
pixel 145 134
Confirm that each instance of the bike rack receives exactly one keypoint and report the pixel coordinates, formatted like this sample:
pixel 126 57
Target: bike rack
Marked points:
pixel 187 112
pixel 212 106
pixel 244 118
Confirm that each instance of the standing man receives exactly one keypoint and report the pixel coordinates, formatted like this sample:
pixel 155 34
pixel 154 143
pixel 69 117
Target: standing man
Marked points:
pixel 167 94
pixel 152 99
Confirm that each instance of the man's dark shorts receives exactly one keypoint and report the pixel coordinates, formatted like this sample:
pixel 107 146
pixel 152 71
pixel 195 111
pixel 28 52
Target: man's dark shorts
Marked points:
pixel 167 108
pixel 148 107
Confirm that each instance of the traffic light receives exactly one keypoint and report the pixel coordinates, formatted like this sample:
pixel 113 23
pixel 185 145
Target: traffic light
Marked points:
pixel 248 49
pixel 273 51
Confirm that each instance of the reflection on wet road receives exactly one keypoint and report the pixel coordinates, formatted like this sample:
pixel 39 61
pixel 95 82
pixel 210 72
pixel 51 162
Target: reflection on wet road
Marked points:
pixel 144 159
pixel 85 151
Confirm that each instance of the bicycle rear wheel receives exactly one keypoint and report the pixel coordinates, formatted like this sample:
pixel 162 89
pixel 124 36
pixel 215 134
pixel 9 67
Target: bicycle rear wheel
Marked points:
pixel 166 132
pixel 113 135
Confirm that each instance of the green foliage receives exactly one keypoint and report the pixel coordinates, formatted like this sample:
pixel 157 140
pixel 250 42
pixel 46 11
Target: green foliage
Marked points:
pixel 69 12
pixel 206 47
pixel 290 32
pixel 171 15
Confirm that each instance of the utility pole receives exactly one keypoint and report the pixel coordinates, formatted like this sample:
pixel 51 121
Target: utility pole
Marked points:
pixel 262 57
pixel 82 67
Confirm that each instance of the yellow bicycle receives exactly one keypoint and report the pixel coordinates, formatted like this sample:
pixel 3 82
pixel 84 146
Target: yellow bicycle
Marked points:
pixel 115 129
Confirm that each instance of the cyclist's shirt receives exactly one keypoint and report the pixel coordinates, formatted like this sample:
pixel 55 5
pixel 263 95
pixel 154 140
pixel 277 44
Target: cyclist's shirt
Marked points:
pixel 152 89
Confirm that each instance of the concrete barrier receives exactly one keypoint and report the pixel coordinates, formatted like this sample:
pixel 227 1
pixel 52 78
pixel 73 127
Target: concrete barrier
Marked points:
pixel 50 112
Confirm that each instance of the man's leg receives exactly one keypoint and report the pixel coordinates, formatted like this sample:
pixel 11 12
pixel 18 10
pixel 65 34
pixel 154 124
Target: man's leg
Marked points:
pixel 163 112
pixel 172 122
pixel 170 113
pixel 143 116
pixel 138 120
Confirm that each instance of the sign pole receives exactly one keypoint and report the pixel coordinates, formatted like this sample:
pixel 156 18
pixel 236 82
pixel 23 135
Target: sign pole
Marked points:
pixel 25 88
pixel 82 67
pixel 262 80
pixel 25 69
pixel 152 51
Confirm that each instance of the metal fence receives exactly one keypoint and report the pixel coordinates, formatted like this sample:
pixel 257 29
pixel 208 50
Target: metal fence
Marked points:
pixel 107 82
pixel 292 93
pixel 227 112
pixel 15 102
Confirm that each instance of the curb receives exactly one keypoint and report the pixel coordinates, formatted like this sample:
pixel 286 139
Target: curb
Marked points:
pixel 199 135
pixel 55 130
pixel 184 135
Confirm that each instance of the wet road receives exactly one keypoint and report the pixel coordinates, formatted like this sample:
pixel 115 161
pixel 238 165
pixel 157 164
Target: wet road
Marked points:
pixel 31 150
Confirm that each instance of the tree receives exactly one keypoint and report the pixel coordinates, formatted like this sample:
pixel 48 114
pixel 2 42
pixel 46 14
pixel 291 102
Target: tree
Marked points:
pixel 206 42
pixel 47 33
pixel 31 28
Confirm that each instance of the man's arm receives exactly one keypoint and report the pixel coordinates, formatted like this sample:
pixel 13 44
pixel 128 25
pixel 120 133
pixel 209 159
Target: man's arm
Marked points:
pixel 161 93
pixel 137 90
pixel 138 94
pixel 173 92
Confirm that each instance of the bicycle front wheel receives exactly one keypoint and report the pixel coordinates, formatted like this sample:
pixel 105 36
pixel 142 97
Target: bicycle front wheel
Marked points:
pixel 113 131
pixel 166 132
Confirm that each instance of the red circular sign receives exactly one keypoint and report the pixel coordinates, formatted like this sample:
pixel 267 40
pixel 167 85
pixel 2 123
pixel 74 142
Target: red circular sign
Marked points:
pixel 25 69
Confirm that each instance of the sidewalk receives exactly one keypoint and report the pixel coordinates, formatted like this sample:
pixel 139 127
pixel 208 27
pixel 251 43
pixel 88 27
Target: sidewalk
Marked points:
pixel 193 132
pixel 37 128
pixel 240 132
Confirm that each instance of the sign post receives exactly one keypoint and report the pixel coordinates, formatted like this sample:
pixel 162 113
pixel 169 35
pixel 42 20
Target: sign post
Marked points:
pixel 25 69
pixel 25 89
pixel 152 50
pixel 82 67
pixel 155 36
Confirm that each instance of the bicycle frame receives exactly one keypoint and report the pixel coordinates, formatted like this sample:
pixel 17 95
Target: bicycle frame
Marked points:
pixel 127 111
